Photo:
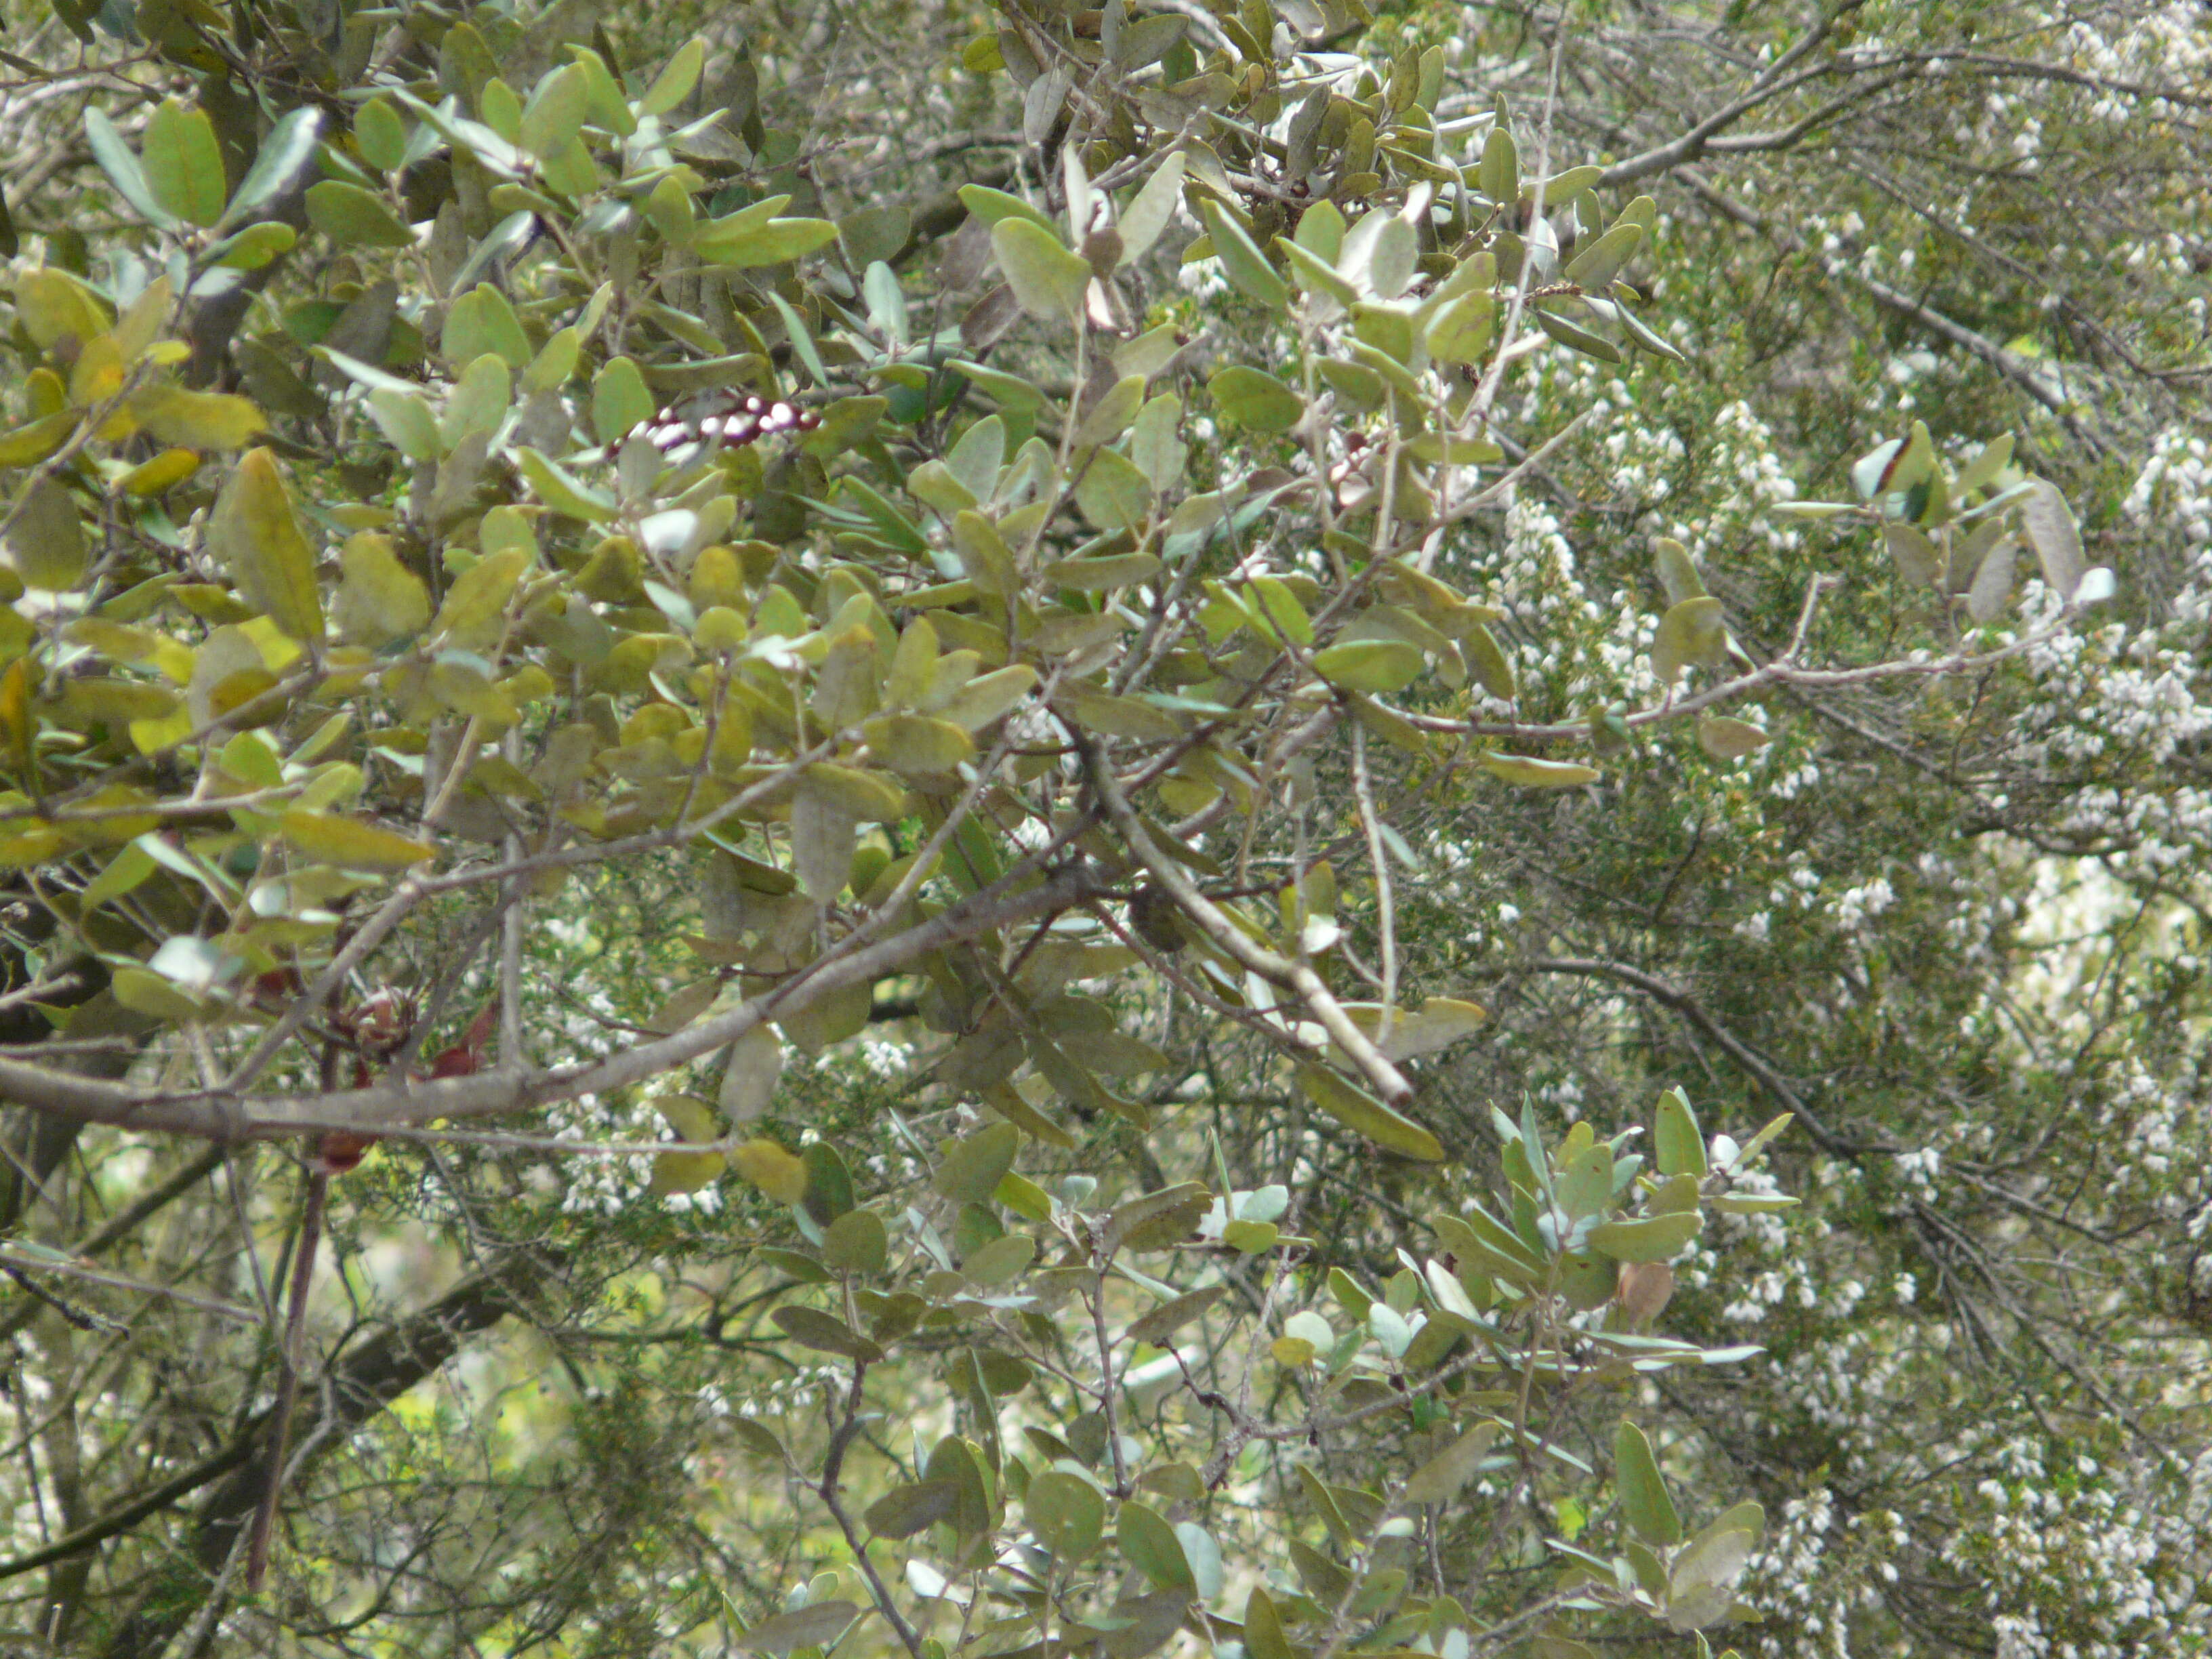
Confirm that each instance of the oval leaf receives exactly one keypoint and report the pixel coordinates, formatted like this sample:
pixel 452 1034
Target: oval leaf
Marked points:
pixel 1358 1110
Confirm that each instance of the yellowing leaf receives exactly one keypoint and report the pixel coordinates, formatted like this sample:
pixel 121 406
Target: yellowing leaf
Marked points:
pixel 349 842
pixel 1691 633
pixel 252 529
pixel 47 539
pixel 684 1172
pixel 774 1171
pixel 164 472
pixel 200 420
pixel 53 305
pixel 29 444
pixel 379 599
pixel 914 745
pixel 1370 666
pixel 470 616
pixel 1533 774
pixel 1725 739
pixel 868 797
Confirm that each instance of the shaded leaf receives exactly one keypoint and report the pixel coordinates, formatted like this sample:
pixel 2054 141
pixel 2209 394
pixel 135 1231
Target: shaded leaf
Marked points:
pixel 1644 1500
pixel 1151 1545
pixel 815 1627
pixel 905 1510
pixel 1358 1110
pixel 969 1169
pixel 1164 1321
pixel 811 1329
pixel 1067 1513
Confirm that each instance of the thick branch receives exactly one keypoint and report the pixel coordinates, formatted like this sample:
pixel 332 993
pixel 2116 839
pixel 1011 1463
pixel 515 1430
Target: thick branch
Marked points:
pixel 223 1115
pixel 364 1383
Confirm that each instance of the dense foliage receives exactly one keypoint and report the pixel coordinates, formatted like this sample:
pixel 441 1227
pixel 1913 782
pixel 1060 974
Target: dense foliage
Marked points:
pixel 1287 828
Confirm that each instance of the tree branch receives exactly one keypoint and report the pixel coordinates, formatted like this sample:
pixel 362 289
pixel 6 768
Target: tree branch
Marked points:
pixel 228 1114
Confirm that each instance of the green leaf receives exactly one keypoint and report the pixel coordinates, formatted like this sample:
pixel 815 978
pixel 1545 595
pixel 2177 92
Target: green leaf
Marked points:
pixel 560 490
pixel 1164 1321
pixel 1241 262
pixel 1676 1138
pixel 146 992
pixel 1917 562
pixel 377 133
pixel 1048 281
pixel 1677 571
pixel 768 242
pixel 1358 1110
pixel 253 530
pixel 856 1243
pixel 470 616
pixel 354 217
pixel 675 83
pixel 811 1329
pixel 995 207
pixel 1375 666
pixel 619 400
pixel 2056 540
pixel 1653 1238
pixel 1492 666
pixel 122 168
pixel 1460 332
pixel 1066 1514
pixel 1253 399
pixel 772 1168
pixel 291 144
pixel 1599 262
pixel 1151 1545
pixel 917 745
pixel 184 164
pixel 1644 1504
pixel 968 1169
pixel 1439 1480
pixel 1316 274
pixel 1112 492
pixel 1552 317
pixel 1497 175
pixel 905 1510
pixel 1155 1221
pixel 1150 209
pixel 1437 1023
